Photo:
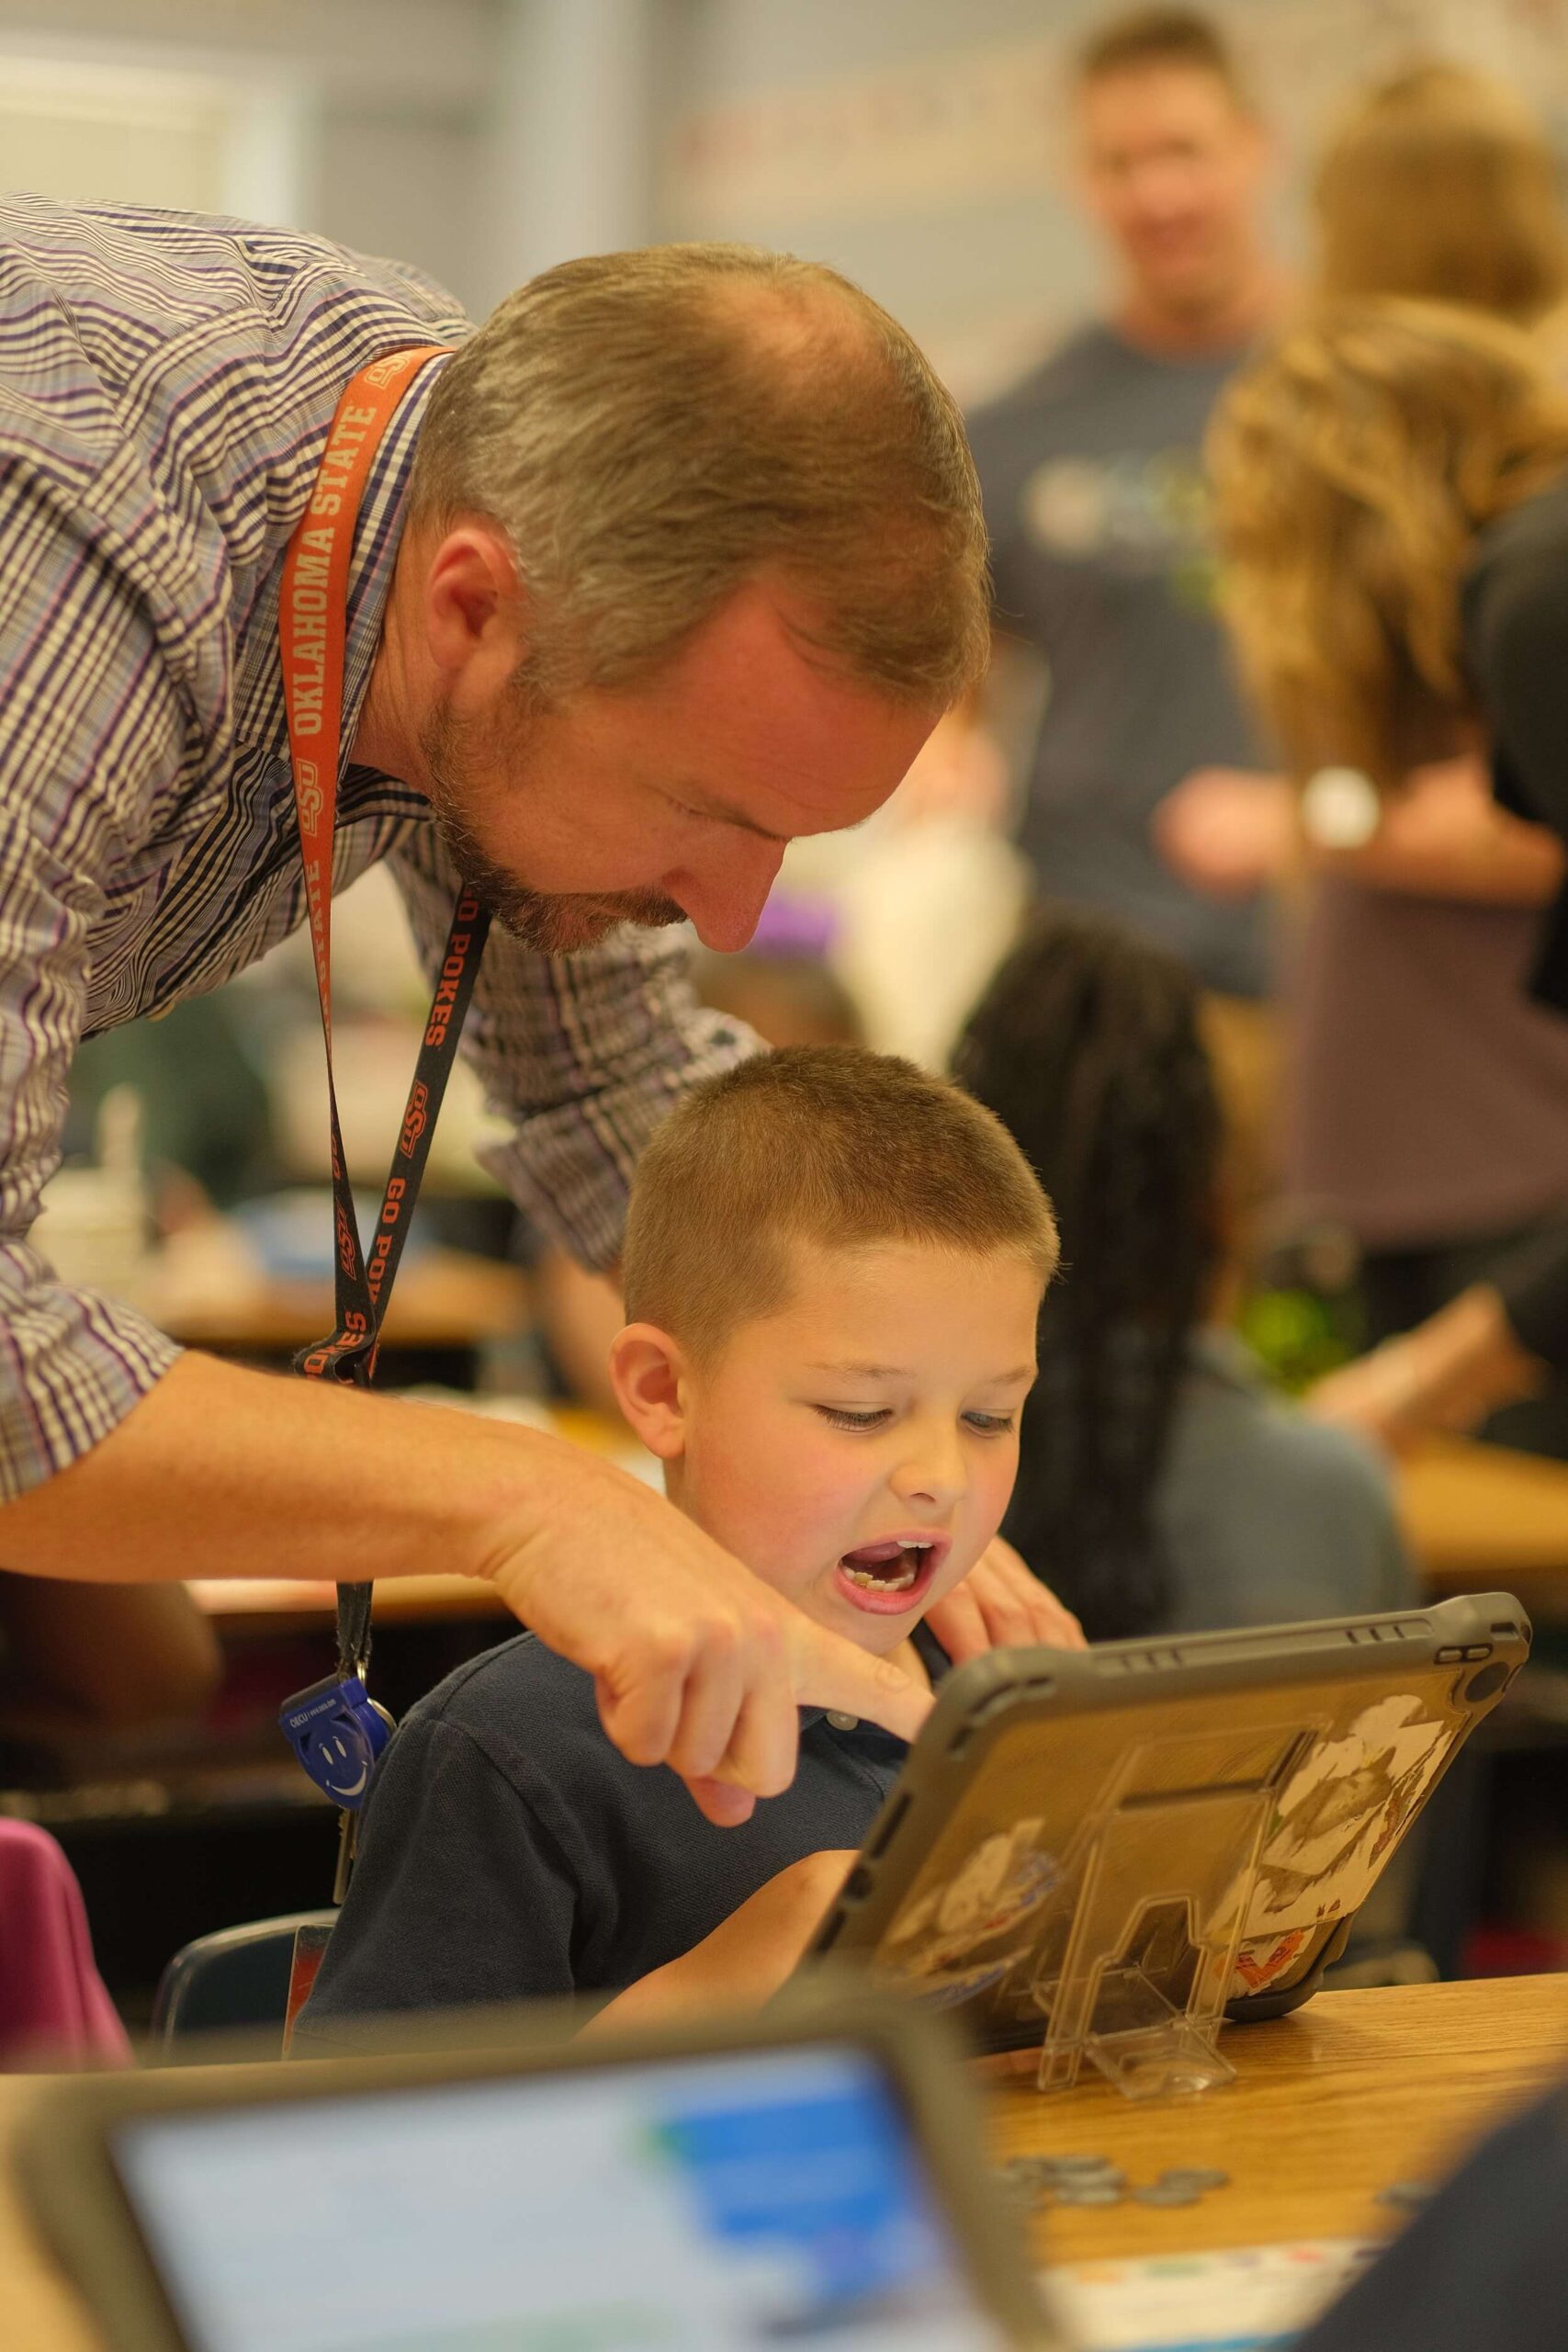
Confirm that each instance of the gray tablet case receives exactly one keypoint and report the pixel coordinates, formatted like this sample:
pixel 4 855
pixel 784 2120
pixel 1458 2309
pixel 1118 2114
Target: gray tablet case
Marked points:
pixel 1104 1854
pixel 83 2163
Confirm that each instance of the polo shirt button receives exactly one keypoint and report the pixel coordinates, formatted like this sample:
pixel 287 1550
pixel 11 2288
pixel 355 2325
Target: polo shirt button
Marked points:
pixel 843 1722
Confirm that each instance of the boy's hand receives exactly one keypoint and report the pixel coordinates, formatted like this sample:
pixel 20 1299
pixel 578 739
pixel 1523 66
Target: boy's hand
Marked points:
pixel 1000 1605
pixel 747 1958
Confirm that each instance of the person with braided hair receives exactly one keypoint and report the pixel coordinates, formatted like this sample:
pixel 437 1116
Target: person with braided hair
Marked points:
pixel 1161 1486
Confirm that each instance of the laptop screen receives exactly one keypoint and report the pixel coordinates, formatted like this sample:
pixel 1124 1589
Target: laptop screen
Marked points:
pixel 697 2205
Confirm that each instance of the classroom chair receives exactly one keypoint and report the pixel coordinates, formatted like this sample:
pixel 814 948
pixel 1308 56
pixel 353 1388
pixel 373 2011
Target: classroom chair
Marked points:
pixel 238 1979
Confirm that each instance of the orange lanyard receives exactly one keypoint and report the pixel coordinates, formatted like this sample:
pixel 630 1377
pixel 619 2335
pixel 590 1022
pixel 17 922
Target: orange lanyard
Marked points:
pixel 313 627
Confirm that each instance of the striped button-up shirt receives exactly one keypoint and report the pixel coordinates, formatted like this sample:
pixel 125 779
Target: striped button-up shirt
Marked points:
pixel 166 384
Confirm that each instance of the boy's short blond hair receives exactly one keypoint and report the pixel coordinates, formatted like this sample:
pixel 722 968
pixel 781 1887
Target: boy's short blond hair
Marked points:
pixel 826 1144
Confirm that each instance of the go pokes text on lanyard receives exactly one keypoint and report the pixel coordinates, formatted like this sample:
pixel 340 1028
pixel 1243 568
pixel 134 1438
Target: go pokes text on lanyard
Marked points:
pixel 335 1729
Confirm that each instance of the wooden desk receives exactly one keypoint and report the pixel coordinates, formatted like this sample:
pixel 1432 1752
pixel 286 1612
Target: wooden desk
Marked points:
pixel 1360 2090
pixel 443 1298
pixel 1482 1517
pixel 253 1605
pixel 1354 2092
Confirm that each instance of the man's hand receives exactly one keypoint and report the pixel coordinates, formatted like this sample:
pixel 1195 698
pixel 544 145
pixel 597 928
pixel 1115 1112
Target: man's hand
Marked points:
pixel 1446 1375
pixel 1000 1605
pixel 697 1663
pixel 745 1959
pixel 1228 832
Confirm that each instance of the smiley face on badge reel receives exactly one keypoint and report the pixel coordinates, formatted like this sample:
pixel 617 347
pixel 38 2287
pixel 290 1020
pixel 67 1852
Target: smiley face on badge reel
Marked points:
pixel 337 1731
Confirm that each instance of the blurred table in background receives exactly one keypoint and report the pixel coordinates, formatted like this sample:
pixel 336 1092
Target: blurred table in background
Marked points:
pixel 1493 1890
pixel 444 1299
pixel 1482 1517
pixel 269 1605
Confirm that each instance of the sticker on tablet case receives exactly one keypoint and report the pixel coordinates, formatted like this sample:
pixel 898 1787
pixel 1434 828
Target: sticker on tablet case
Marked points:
pixel 994 1890
pixel 1339 1813
pixel 1257 1966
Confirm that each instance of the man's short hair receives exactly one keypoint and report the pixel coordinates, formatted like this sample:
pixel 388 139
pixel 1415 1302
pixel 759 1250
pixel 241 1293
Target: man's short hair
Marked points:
pixel 824 1143
pixel 657 430
pixel 1151 36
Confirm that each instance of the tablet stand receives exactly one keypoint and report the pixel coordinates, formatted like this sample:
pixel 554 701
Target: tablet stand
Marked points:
pixel 1141 1938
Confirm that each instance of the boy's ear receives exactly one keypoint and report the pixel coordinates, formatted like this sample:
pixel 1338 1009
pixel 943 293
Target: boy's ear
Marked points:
pixel 646 1367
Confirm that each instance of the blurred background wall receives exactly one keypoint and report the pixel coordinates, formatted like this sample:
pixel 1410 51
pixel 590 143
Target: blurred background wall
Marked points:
pixel 913 142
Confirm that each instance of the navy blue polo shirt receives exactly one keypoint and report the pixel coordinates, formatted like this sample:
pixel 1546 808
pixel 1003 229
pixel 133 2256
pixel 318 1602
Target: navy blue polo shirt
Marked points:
pixel 508 1851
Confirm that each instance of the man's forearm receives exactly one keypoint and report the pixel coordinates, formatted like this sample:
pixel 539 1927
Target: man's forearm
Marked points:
pixel 1444 837
pixel 1448 1374
pixel 1508 865
pixel 223 1472
pixel 696 1663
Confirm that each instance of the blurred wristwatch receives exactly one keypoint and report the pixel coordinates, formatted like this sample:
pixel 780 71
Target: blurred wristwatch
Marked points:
pixel 1339 809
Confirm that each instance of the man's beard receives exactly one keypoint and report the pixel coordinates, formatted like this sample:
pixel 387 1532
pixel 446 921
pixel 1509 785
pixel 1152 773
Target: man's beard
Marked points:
pixel 552 924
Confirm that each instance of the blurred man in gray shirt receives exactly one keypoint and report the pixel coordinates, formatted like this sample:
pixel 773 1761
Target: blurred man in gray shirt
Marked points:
pixel 1094 498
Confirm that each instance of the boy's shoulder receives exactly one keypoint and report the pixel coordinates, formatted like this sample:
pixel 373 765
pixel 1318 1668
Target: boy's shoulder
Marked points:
pixel 520 1704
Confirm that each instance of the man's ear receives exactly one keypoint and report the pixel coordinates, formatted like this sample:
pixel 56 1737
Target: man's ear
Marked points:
pixel 475 609
pixel 647 1371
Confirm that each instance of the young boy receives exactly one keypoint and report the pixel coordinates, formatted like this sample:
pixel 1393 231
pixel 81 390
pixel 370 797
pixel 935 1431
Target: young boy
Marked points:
pixel 833 1271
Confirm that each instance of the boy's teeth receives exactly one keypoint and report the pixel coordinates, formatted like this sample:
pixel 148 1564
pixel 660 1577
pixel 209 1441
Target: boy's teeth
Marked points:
pixel 891 1565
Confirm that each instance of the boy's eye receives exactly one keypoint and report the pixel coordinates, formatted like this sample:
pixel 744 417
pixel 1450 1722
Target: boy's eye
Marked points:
pixel 990 1424
pixel 839 1418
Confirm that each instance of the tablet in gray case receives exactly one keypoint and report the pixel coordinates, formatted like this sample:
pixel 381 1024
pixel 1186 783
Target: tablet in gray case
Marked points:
pixel 815 2175
pixel 1085 1847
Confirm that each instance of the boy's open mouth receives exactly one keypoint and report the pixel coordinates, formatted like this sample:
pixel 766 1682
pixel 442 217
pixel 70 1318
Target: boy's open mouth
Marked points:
pixel 892 1576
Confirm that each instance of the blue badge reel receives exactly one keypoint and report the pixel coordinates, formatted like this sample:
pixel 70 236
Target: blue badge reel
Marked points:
pixel 337 1731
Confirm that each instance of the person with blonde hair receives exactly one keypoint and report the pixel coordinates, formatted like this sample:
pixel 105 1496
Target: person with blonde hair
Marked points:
pixel 1424 1109
pixel 1355 464
pixel 1439 183
pixel 1390 479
